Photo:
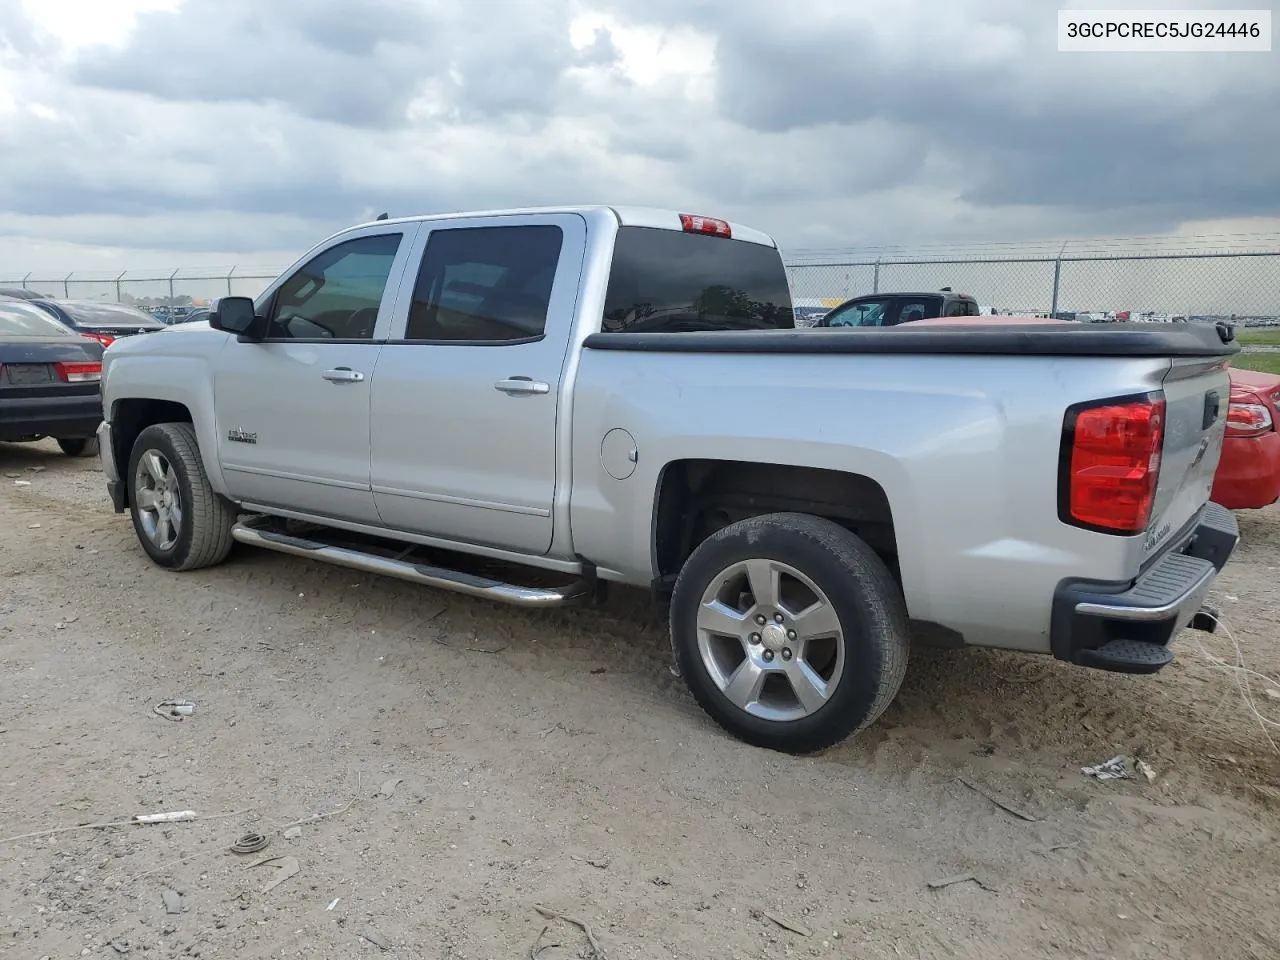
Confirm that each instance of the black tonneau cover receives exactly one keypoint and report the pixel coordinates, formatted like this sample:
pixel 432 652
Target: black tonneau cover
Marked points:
pixel 1036 340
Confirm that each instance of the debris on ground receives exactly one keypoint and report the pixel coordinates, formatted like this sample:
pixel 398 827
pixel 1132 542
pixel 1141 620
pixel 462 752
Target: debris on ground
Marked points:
pixel 538 946
pixel 487 646
pixel 120 946
pixel 333 903
pixel 596 952
pixel 172 900
pixel 379 941
pixel 293 833
pixel 286 867
pixel 1113 769
pixel 600 863
pixel 786 923
pixel 389 787
pixel 958 878
pixel 317 817
pixel 22 483
pixel 250 843
pixel 1146 770
pixel 174 709
pixel 176 816
pixel 1007 808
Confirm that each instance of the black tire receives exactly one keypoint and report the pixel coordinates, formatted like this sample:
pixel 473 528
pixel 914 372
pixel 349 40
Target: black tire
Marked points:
pixel 79 446
pixel 203 537
pixel 866 600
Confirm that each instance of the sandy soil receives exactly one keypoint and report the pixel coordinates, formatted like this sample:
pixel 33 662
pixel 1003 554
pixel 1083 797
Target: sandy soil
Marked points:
pixel 552 760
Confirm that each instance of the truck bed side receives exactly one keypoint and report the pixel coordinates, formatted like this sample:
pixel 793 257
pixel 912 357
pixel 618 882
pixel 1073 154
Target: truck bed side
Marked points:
pixel 964 446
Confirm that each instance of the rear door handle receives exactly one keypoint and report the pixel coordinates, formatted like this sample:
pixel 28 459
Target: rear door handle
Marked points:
pixel 522 386
pixel 343 375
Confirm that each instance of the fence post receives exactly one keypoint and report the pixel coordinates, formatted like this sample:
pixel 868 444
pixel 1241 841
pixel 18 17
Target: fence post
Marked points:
pixel 171 276
pixel 875 278
pixel 66 285
pixel 119 295
pixel 1057 278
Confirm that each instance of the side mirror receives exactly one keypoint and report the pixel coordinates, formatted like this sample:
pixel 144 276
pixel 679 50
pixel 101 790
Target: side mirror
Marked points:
pixel 236 315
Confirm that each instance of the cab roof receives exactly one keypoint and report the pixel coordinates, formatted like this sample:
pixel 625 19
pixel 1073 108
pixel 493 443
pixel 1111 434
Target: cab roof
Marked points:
pixel 625 216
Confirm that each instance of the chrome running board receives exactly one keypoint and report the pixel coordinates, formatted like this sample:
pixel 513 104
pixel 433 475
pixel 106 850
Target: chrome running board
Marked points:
pixel 248 531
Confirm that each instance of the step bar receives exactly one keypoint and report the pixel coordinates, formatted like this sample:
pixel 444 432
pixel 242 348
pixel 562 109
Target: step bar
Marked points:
pixel 251 532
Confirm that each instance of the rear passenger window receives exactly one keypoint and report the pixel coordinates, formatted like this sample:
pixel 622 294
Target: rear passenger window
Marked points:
pixel 913 310
pixel 963 308
pixel 336 295
pixel 485 284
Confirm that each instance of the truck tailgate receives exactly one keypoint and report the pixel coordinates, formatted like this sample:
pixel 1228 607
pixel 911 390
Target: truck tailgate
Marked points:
pixel 1196 390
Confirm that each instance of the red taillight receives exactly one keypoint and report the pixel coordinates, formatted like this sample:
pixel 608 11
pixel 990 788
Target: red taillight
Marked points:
pixel 1247 415
pixel 103 338
pixel 708 225
pixel 1112 464
pixel 79 372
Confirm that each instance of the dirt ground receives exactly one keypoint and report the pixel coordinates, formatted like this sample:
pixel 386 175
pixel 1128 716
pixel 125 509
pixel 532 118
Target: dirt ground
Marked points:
pixel 551 759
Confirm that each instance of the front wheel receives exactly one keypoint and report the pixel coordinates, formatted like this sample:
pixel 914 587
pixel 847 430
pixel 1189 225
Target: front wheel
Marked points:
pixel 180 521
pixel 790 631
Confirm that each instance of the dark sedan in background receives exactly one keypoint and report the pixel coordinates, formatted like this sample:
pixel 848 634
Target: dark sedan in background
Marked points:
pixel 21 293
pixel 99 320
pixel 49 380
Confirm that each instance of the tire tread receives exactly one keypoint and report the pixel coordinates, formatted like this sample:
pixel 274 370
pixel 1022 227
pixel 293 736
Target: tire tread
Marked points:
pixel 212 516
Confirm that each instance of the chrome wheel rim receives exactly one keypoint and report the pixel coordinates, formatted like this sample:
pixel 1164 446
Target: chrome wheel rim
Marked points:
pixel 157 499
pixel 771 640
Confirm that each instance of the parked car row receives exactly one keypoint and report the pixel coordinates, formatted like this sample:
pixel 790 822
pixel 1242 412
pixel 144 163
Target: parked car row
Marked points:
pixel 49 380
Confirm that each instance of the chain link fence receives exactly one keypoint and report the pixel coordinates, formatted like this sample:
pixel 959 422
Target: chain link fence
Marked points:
pixel 148 288
pixel 1232 283
pixel 1166 280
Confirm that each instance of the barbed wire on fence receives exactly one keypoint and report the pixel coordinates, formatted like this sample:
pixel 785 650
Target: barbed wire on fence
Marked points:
pixel 1239 276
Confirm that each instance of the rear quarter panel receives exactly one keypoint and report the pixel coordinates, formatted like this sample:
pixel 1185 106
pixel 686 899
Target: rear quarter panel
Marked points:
pixel 965 448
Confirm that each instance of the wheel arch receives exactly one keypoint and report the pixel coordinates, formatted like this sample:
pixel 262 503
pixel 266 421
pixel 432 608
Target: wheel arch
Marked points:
pixel 129 416
pixel 697 497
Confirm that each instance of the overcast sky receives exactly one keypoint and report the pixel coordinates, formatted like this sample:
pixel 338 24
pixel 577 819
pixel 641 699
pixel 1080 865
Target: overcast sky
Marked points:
pixel 143 133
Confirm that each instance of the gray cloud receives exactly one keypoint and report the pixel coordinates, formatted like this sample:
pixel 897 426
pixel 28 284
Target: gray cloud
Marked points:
pixel 1164 137
pixel 824 122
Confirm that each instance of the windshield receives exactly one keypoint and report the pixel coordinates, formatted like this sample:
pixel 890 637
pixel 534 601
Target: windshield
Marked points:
pixel 20 320
pixel 107 314
pixel 664 281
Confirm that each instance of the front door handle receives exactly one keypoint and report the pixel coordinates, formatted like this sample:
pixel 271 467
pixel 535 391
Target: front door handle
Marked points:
pixel 343 375
pixel 522 386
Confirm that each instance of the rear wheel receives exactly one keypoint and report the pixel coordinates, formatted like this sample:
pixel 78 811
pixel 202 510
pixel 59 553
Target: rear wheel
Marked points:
pixel 79 446
pixel 790 631
pixel 180 521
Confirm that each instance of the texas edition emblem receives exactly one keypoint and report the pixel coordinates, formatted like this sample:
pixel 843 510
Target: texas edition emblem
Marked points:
pixel 241 436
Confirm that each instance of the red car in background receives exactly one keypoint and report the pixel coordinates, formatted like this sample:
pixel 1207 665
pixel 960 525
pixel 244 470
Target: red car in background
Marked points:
pixel 1249 472
pixel 1248 475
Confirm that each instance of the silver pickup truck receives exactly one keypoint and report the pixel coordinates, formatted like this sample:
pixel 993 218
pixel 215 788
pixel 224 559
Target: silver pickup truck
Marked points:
pixel 528 405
